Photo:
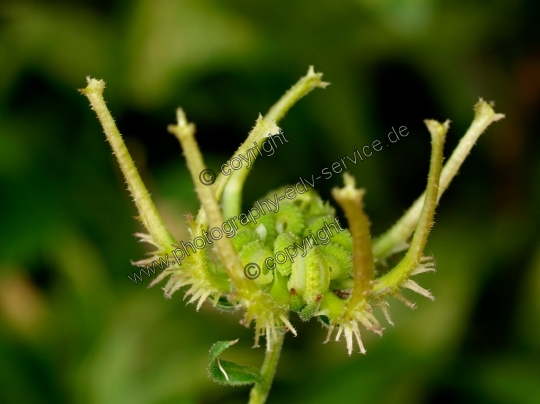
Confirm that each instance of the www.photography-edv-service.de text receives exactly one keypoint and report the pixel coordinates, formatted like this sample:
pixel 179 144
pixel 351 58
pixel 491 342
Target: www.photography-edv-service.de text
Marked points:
pixel 230 226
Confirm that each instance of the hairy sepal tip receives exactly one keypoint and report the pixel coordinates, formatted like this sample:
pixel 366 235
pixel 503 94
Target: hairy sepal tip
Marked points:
pixel 483 109
pixel 93 85
pixel 311 74
pixel 437 129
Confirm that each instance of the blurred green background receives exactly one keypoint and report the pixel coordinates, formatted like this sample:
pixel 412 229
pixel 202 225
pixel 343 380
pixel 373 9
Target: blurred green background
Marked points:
pixel 75 329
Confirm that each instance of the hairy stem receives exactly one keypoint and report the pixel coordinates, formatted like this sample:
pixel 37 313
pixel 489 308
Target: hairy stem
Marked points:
pixel 393 279
pixel 307 83
pixel 232 193
pixel 260 391
pixel 147 210
pixel 230 186
pixel 401 231
pixel 350 199
pixel 185 132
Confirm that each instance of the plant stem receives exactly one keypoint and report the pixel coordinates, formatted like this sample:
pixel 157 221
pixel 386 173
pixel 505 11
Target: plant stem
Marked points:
pixel 231 186
pixel 307 83
pixel 260 391
pixel 350 199
pixel 185 132
pixel 401 231
pixel 232 193
pixel 393 279
pixel 147 210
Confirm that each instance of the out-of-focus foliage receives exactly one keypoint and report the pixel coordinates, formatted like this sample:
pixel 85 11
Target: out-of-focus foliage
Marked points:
pixel 74 329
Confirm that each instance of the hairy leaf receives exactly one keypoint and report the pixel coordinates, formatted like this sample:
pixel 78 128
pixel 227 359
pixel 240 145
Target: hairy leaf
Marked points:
pixel 229 373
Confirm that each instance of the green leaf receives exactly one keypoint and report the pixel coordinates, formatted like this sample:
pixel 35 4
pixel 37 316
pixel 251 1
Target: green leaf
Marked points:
pixel 229 373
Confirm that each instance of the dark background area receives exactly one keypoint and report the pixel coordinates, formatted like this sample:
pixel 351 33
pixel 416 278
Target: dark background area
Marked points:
pixel 75 329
